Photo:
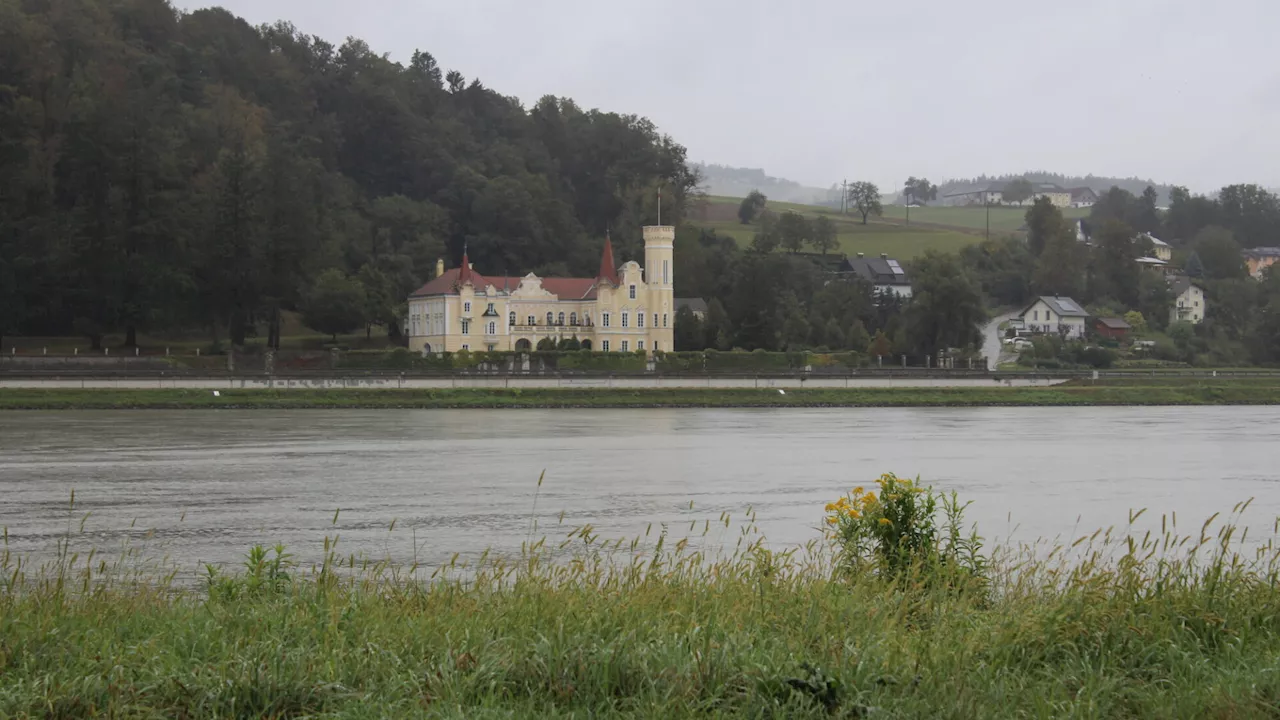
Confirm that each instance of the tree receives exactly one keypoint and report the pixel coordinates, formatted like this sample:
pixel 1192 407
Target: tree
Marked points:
pixel 880 346
pixel 1044 220
pixel 1002 268
pixel 717 328
pixel 1018 190
pixel 1154 300
pixel 379 301
pixel 919 190
pixel 688 333
pixel 1193 267
pixel 1219 253
pixel 793 231
pixel 569 344
pixel 335 304
pixel 751 206
pixel 822 233
pixel 546 344
pixel 767 238
pixel 1136 321
pixel 946 309
pixel 865 198
pixel 1060 268
pixel 1115 273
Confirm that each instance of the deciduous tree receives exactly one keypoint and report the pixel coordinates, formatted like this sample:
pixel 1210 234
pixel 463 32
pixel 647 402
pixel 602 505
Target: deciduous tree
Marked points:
pixel 865 198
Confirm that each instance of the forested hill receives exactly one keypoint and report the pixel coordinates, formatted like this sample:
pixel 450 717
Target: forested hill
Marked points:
pixel 167 170
pixel 739 182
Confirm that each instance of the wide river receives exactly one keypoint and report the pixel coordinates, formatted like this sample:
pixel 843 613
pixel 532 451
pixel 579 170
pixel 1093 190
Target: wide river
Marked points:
pixel 203 486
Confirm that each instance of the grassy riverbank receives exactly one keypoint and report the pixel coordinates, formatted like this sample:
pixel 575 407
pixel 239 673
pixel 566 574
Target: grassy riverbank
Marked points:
pixel 1139 392
pixel 654 634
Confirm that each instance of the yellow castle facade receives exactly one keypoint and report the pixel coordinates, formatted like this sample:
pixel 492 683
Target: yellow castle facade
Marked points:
pixel 623 309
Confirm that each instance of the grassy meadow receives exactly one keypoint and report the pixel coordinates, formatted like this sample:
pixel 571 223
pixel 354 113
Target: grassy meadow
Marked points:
pixel 877 236
pixel 1174 625
pixel 1004 220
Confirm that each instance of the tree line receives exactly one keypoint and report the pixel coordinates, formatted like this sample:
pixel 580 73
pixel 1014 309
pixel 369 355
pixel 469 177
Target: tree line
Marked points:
pixel 164 171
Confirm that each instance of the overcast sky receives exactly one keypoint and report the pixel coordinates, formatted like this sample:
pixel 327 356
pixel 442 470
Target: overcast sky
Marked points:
pixel 1183 91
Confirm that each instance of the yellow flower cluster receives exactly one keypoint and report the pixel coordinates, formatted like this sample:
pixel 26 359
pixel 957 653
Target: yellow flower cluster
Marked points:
pixel 853 506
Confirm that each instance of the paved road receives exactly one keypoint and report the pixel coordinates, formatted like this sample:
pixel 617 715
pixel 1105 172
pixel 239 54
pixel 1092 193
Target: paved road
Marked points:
pixel 991 346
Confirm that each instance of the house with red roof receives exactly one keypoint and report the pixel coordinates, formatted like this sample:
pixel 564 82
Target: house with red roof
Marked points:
pixel 627 308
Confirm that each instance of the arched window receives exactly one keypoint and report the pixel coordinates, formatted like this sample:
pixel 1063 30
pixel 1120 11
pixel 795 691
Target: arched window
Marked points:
pixel 573 319
pixel 493 328
pixel 560 319
pixel 549 318
pixel 511 318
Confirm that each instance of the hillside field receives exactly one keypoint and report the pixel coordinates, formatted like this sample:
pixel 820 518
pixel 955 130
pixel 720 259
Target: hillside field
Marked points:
pixel 1003 219
pixel 877 236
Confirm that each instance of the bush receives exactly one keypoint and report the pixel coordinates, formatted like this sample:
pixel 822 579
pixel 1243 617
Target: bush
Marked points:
pixel 895 530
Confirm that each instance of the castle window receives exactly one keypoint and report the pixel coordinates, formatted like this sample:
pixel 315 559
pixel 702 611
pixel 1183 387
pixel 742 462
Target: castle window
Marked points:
pixel 655 346
pixel 511 318
pixel 604 344
pixel 664 319
pixel 626 346
pixel 655 319
pixel 466 346
pixel 639 344
pixel 640 319
pixel 549 319
pixel 466 327
pixel 466 307
pixel 533 320
pixel 666 272
pixel 493 328
pixel 626 319
pixel 560 319
pixel 633 292
pixel 604 321
pixel 573 319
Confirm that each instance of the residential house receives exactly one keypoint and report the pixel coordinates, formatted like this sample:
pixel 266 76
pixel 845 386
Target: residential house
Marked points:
pixel 884 273
pixel 697 306
pixel 993 194
pixel 1083 197
pixel 1049 314
pixel 1150 263
pixel 1058 195
pixel 1160 249
pixel 1188 300
pixel 1112 328
pixel 1260 258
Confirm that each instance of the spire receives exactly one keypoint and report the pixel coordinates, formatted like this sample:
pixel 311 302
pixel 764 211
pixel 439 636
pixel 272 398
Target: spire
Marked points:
pixel 608 270
pixel 464 275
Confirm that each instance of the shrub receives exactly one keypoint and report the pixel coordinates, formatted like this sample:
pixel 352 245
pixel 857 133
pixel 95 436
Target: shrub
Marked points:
pixel 895 529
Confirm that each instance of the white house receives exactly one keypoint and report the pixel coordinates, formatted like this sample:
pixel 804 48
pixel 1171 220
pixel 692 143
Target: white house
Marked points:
pixel 1188 301
pixel 1049 314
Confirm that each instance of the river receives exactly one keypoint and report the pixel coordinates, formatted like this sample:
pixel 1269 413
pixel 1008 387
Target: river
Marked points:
pixel 202 486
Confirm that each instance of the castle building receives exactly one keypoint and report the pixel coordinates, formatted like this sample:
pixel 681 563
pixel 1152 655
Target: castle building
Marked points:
pixel 623 309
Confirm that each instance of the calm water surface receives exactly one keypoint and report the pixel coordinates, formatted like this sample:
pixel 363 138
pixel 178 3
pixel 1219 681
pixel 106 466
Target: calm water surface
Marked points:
pixel 203 486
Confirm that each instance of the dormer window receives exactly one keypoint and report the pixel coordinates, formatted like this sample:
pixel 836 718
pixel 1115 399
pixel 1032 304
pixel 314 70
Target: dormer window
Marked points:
pixel 633 292
pixel 466 307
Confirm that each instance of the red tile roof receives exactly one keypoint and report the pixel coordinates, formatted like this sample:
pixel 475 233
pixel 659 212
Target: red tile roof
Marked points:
pixel 608 269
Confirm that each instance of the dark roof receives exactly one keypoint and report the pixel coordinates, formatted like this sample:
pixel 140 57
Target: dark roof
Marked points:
pixel 1180 284
pixel 881 270
pixel 697 305
pixel 1115 323
pixel 1079 191
pixel 1064 306
pixel 1260 253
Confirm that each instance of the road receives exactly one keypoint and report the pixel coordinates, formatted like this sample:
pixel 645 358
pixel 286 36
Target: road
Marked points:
pixel 991 346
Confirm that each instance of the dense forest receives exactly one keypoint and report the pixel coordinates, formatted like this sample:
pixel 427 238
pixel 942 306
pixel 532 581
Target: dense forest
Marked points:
pixel 162 171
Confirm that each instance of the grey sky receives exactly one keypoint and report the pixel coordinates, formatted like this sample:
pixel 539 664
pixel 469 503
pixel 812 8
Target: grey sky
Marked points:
pixel 1182 91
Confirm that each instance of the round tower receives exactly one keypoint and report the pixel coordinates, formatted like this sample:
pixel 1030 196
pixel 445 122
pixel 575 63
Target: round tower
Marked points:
pixel 659 265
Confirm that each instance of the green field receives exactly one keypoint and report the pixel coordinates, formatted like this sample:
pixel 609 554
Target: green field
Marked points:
pixel 1004 220
pixel 876 237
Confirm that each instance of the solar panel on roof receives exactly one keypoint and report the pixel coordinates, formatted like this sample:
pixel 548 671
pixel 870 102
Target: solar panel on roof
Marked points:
pixel 1068 305
pixel 895 267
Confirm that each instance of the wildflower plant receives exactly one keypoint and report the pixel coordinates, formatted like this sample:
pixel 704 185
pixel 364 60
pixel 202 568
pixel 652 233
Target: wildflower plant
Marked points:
pixel 893 528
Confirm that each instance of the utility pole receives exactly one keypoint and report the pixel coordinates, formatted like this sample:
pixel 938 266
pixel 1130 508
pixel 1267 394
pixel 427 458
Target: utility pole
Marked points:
pixel 844 196
pixel 987 202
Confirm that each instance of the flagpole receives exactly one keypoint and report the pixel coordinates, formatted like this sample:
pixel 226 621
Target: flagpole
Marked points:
pixel 659 205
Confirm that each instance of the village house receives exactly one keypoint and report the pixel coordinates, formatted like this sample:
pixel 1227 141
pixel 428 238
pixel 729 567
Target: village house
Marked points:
pixel 1049 314
pixel 697 306
pixel 1083 197
pixel 1259 259
pixel 993 194
pixel 1188 301
pixel 1160 249
pixel 883 273
pixel 623 309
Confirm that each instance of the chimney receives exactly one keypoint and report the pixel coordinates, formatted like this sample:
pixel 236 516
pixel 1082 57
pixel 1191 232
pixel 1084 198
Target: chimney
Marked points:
pixel 884 256
pixel 859 254
pixel 439 267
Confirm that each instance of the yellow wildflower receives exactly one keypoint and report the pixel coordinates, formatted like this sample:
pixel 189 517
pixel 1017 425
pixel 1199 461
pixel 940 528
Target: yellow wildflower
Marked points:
pixel 830 507
pixel 886 521
pixel 832 520
pixel 857 490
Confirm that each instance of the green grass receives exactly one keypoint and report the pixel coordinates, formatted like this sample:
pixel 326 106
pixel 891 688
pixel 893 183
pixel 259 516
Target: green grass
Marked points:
pixel 1162 627
pixel 1004 220
pixel 1264 391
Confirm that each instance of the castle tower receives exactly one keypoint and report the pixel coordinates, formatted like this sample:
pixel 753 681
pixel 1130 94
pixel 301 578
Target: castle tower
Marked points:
pixel 659 264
